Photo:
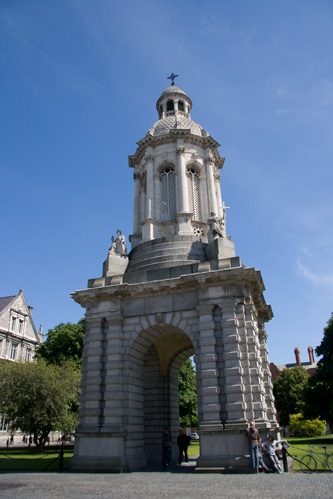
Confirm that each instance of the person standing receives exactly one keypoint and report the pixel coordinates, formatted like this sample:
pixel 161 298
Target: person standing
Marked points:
pixel 252 435
pixel 166 447
pixel 182 442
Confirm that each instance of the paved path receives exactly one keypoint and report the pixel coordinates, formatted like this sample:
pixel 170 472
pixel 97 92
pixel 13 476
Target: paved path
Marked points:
pixel 164 485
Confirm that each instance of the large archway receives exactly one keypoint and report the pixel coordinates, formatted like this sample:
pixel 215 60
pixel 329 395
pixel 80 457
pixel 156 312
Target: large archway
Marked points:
pixel 156 357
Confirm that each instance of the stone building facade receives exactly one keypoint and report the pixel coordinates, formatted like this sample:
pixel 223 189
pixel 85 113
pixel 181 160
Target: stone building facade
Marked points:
pixel 18 335
pixel 180 292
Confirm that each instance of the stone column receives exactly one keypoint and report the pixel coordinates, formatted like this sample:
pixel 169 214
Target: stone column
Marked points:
pixel 218 195
pixel 184 217
pixel 183 205
pixel 157 199
pixel 136 216
pixel 267 378
pixel 256 403
pixel 235 389
pixel 211 187
pixel 91 411
pixel 211 407
pixel 149 187
pixel 114 410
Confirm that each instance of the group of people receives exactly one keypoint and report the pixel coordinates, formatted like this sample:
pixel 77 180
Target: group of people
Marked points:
pixel 263 454
pixel 183 441
pixel 27 440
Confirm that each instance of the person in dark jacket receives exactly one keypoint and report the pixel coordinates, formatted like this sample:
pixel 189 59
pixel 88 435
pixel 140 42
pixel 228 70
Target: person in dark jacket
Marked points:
pixel 252 435
pixel 166 447
pixel 182 442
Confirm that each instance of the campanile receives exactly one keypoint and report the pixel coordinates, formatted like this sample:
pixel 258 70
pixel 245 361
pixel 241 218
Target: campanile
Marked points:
pixel 181 291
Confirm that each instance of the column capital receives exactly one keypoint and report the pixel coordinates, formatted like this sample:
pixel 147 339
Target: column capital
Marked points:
pixel 180 150
pixel 149 158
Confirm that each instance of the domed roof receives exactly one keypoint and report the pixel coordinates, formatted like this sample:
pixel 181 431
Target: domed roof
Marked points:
pixel 173 122
pixel 173 90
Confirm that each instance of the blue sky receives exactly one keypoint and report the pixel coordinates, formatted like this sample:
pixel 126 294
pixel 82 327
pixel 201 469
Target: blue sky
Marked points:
pixel 80 80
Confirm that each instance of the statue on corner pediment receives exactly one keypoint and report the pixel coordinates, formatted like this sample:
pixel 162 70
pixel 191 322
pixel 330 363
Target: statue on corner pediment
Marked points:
pixel 217 227
pixel 118 245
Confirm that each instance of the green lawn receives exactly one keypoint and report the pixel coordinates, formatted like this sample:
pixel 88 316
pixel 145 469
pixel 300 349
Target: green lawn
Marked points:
pixel 30 459
pixel 299 447
pixel 194 448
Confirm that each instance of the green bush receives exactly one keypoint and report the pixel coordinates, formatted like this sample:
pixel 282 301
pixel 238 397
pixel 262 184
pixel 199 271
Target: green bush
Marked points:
pixel 306 427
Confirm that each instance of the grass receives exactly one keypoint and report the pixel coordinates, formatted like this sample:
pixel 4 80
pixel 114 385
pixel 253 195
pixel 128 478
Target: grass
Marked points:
pixel 299 447
pixel 194 448
pixel 29 459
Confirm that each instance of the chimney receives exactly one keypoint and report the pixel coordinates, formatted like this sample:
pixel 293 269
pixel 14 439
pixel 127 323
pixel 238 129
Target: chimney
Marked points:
pixel 40 334
pixel 297 356
pixel 311 357
pixel 30 310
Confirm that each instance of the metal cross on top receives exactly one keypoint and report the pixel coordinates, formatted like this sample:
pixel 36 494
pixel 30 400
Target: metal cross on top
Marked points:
pixel 172 77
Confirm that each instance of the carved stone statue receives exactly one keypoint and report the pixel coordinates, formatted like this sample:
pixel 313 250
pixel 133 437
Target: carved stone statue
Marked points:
pixel 216 227
pixel 118 246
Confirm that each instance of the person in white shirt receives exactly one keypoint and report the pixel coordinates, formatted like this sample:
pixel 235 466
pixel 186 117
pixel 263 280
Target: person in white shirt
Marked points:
pixel 268 448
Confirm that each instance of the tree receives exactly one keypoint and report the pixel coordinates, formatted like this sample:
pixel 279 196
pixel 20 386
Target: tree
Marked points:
pixel 39 398
pixel 300 427
pixel 319 394
pixel 65 341
pixel 288 391
pixel 188 404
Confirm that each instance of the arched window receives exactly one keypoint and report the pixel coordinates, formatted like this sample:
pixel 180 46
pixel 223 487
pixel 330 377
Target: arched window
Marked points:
pixel 168 194
pixel 181 106
pixel 193 188
pixel 170 106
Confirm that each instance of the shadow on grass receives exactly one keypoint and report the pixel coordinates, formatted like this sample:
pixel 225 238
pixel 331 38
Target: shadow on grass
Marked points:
pixel 325 440
pixel 30 459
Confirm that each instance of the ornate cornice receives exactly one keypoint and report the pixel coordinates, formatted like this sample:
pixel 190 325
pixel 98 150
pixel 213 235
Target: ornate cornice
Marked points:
pixel 172 137
pixel 244 277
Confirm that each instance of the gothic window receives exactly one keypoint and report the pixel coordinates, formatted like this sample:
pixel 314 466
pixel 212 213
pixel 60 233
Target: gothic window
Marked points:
pixel 168 194
pixel 20 326
pixel 170 106
pixel 28 355
pixel 193 187
pixel 181 106
pixel 13 351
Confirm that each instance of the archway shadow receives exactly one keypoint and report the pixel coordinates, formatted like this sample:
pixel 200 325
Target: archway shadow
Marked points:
pixel 173 467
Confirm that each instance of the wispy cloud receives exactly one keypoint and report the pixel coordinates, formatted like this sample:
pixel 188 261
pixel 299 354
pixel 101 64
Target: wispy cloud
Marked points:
pixel 317 278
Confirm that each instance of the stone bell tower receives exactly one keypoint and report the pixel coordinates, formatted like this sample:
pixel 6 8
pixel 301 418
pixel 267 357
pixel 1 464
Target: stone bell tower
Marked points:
pixel 181 291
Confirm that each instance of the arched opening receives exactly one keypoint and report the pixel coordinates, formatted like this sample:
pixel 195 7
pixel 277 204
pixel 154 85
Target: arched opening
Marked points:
pixel 170 105
pixel 181 106
pixel 156 358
